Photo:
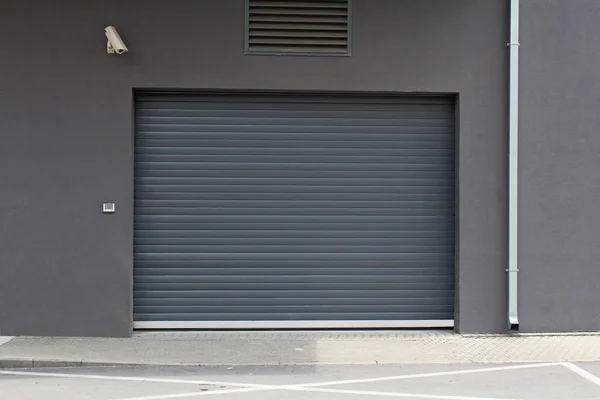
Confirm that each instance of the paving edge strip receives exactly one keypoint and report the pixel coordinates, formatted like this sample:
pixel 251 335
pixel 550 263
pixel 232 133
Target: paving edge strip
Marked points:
pixel 20 363
pixel 17 363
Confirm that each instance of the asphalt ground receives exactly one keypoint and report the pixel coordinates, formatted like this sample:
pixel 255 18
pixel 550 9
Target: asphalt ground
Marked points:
pixel 539 381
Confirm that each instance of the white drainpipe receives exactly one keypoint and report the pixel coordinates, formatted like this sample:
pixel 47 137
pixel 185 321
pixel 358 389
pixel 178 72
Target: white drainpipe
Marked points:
pixel 513 157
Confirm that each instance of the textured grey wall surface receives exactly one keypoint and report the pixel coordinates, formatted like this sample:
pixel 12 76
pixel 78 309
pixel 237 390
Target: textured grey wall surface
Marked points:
pixel 67 135
pixel 560 157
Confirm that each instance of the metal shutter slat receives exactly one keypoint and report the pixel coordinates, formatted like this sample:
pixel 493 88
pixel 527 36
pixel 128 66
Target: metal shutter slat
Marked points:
pixel 298 18
pixel 290 29
pixel 318 12
pixel 298 41
pixel 283 34
pixel 293 208
pixel 333 4
pixel 300 49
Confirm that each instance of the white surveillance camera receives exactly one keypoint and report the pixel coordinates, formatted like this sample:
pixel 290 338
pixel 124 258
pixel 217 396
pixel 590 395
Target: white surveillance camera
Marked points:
pixel 115 43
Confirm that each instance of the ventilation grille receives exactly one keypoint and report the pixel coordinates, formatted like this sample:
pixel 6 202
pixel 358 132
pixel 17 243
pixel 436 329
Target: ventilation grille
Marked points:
pixel 310 27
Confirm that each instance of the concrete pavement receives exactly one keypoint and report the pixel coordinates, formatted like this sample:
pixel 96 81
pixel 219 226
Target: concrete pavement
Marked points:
pixel 298 348
pixel 5 339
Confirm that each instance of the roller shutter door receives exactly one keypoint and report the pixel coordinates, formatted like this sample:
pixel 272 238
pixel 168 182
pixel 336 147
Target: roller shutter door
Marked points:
pixel 293 210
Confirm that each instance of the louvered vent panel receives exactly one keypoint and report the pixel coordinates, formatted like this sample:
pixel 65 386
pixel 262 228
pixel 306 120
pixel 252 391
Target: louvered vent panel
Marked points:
pixel 298 27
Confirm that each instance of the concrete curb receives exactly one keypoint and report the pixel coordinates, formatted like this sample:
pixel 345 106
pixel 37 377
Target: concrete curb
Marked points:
pixel 20 363
pixel 17 363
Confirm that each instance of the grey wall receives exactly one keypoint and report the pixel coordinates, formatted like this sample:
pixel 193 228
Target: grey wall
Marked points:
pixel 66 134
pixel 560 162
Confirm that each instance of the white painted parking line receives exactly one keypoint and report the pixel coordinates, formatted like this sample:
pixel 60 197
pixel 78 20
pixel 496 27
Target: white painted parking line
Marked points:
pixel 308 387
pixel 340 391
pixel 133 379
pixel 259 386
pixel 392 394
pixel 195 394
pixel 583 373
pixel 432 374
pixel 317 390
